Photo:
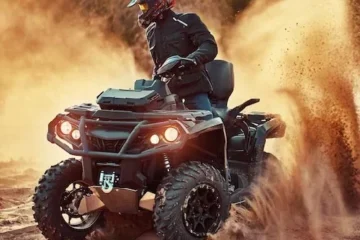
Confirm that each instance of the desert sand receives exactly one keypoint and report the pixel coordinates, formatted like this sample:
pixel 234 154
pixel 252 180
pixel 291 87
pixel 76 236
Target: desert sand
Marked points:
pixel 17 182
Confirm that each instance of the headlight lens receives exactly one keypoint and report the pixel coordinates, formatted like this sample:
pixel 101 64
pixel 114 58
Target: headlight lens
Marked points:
pixel 65 127
pixel 75 134
pixel 171 134
pixel 154 139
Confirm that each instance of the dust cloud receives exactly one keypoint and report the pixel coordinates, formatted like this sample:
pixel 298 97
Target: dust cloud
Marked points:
pixel 298 57
pixel 52 57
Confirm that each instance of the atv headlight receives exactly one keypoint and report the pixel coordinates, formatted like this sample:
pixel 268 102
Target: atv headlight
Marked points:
pixel 154 139
pixel 75 134
pixel 171 134
pixel 65 127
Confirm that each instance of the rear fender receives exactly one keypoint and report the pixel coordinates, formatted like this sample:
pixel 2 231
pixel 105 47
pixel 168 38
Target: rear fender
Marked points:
pixel 278 128
pixel 275 127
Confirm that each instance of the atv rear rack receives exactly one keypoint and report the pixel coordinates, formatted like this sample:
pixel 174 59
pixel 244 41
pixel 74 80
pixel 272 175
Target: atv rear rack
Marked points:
pixel 121 155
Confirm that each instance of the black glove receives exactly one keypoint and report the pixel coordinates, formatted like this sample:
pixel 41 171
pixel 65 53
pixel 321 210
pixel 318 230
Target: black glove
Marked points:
pixel 186 64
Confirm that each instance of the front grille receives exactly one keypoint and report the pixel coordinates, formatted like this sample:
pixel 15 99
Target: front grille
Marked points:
pixel 101 145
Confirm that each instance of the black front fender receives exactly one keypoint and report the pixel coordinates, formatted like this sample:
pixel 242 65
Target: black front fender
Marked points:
pixel 209 137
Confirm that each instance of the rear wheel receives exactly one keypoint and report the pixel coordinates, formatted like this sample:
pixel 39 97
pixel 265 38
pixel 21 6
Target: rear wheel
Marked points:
pixel 191 202
pixel 56 200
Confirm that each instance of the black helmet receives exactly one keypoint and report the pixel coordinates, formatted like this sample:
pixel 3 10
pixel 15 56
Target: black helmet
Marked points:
pixel 151 9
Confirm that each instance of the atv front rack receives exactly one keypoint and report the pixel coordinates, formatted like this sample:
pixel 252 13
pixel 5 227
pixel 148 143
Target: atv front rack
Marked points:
pixel 138 126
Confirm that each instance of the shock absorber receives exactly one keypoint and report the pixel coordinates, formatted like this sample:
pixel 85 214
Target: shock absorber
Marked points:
pixel 166 162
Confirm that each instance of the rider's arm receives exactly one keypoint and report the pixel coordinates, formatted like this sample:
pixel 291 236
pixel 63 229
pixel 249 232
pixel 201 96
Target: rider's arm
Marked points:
pixel 202 38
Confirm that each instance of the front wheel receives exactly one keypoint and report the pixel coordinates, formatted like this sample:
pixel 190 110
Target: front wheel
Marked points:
pixel 56 201
pixel 191 202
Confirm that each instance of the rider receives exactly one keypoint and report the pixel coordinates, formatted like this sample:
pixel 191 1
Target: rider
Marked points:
pixel 168 34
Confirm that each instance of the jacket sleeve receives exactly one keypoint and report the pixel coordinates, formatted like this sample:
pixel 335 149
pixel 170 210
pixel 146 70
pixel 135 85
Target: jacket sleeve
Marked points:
pixel 201 37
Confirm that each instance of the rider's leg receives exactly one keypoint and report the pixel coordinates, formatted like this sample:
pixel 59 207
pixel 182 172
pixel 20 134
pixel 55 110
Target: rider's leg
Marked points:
pixel 198 101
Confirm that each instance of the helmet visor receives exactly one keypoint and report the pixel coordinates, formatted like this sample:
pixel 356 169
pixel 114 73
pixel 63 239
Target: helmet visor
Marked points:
pixel 143 7
pixel 132 3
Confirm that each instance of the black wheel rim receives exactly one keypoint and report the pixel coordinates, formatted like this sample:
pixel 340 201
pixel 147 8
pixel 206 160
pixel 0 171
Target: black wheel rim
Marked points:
pixel 69 203
pixel 201 210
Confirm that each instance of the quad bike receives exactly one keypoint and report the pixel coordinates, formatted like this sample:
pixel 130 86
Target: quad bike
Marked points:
pixel 142 150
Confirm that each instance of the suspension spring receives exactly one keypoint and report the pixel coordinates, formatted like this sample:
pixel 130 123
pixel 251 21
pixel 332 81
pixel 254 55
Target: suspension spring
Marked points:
pixel 167 162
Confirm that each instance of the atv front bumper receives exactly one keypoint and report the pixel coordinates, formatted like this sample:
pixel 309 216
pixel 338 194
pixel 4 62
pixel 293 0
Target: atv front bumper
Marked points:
pixel 84 150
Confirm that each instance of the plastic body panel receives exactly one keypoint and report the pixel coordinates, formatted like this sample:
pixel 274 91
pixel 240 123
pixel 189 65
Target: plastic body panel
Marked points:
pixel 135 100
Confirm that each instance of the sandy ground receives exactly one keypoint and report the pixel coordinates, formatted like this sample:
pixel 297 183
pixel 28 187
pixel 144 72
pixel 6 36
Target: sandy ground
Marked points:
pixel 16 189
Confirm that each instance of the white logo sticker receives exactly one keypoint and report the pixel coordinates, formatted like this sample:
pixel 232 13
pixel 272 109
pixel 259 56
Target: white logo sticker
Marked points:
pixel 107 182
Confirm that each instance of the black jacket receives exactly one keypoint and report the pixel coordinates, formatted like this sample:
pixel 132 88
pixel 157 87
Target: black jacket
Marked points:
pixel 187 36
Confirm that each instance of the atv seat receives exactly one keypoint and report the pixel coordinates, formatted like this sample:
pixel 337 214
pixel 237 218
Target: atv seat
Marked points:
pixel 222 79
